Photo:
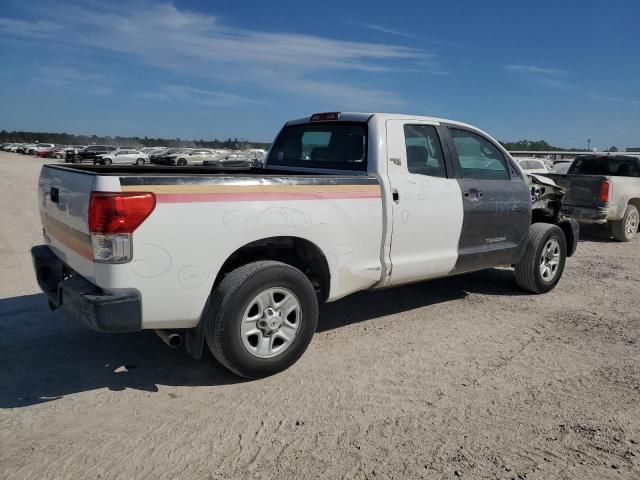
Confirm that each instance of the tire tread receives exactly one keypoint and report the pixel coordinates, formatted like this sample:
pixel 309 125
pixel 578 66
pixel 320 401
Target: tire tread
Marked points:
pixel 526 277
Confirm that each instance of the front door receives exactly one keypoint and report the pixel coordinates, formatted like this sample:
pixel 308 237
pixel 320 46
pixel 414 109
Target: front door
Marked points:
pixel 426 202
pixel 496 199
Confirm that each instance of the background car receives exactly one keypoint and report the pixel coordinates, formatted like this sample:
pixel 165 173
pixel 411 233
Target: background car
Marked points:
pixel 58 152
pixel 92 152
pixel 532 165
pixel 25 147
pixel 235 160
pixel 194 157
pixel 562 167
pixel 158 156
pixel 124 156
pixel 43 149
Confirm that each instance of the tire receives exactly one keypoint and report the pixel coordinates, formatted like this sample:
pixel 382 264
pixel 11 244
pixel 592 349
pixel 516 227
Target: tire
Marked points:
pixel 77 159
pixel 625 230
pixel 233 301
pixel 107 161
pixel 542 242
pixel 181 162
pixel 140 161
pixel 58 156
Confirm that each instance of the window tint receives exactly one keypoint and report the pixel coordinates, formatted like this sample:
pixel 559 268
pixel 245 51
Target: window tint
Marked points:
pixel 478 157
pixel 321 145
pixel 616 166
pixel 424 152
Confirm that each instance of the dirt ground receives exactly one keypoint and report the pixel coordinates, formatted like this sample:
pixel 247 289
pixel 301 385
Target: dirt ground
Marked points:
pixel 459 378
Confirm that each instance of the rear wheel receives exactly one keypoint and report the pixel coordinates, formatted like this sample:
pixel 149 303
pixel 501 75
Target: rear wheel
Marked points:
pixel 261 318
pixel 106 161
pixel 77 159
pixel 542 264
pixel 140 161
pixel 624 230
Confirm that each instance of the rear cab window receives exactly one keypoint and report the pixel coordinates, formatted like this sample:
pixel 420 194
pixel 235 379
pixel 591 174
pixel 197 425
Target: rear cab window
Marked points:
pixel 615 166
pixel 329 145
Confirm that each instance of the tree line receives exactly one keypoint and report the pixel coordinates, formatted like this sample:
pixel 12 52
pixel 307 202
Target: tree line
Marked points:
pixel 230 143
pixel 541 145
pixel 70 139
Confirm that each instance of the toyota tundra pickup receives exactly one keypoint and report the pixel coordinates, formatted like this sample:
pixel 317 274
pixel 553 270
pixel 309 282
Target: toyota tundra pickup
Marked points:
pixel 238 261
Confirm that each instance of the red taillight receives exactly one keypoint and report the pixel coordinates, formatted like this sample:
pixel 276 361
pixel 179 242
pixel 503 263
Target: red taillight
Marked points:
pixel 119 212
pixel 319 117
pixel 605 191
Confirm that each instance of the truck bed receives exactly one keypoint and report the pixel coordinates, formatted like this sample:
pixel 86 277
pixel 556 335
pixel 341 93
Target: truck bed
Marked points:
pixel 170 170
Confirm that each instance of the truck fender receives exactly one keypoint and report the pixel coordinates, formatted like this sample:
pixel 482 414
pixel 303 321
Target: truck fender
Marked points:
pixel 295 251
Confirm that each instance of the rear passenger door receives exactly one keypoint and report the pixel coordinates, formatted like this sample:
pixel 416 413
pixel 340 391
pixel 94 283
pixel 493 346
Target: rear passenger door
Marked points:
pixel 426 202
pixel 496 201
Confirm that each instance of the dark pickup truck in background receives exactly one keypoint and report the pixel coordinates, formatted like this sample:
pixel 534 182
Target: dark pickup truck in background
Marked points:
pixel 92 152
pixel 603 189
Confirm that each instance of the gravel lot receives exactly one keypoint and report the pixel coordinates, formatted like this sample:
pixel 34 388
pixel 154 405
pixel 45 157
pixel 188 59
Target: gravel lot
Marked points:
pixel 464 377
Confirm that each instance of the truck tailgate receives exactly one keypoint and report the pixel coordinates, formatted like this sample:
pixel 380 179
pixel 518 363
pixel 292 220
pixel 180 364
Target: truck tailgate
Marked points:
pixel 63 197
pixel 582 190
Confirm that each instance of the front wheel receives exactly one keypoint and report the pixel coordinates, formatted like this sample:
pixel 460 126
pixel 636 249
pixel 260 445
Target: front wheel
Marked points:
pixel 261 318
pixel 106 161
pixel 140 161
pixel 77 159
pixel 181 162
pixel 543 262
pixel 624 230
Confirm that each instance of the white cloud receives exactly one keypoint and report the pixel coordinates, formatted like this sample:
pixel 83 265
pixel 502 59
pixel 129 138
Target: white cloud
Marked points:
pixel 545 76
pixel 201 96
pixel 610 98
pixel 80 80
pixel 535 70
pixel 399 33
pixel 201 46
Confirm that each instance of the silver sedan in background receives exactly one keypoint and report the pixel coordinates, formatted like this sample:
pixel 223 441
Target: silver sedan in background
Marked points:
pixel 124 157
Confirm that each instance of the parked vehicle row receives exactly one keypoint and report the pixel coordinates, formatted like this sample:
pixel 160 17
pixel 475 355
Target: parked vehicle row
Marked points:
pixel 110 154
pixel 183 157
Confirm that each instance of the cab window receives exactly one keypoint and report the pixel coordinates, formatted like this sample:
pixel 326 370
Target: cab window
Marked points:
pixel 478 157
pixel 333 145
pixel 424 152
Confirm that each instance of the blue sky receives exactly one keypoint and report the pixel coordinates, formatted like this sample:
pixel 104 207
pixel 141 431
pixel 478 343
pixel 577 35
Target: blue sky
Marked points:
pixel 560 71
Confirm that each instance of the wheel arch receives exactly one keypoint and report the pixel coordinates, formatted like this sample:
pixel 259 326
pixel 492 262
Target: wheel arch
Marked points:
pixel 571 230
pixel 635 202
pixel 295 251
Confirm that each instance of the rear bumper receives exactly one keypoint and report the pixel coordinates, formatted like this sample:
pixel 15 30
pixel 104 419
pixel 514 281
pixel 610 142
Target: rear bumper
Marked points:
pixel 587 214
pixel 83 301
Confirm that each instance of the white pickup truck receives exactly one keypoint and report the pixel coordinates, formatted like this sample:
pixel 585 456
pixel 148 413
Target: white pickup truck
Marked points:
pixel 604 189
pixel 239 260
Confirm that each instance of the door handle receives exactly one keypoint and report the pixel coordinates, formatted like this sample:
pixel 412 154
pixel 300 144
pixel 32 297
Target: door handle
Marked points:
pixel 473 194
pixel 395 195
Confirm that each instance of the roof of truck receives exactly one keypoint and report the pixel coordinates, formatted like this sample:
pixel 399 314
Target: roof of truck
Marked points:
pixel 365 117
